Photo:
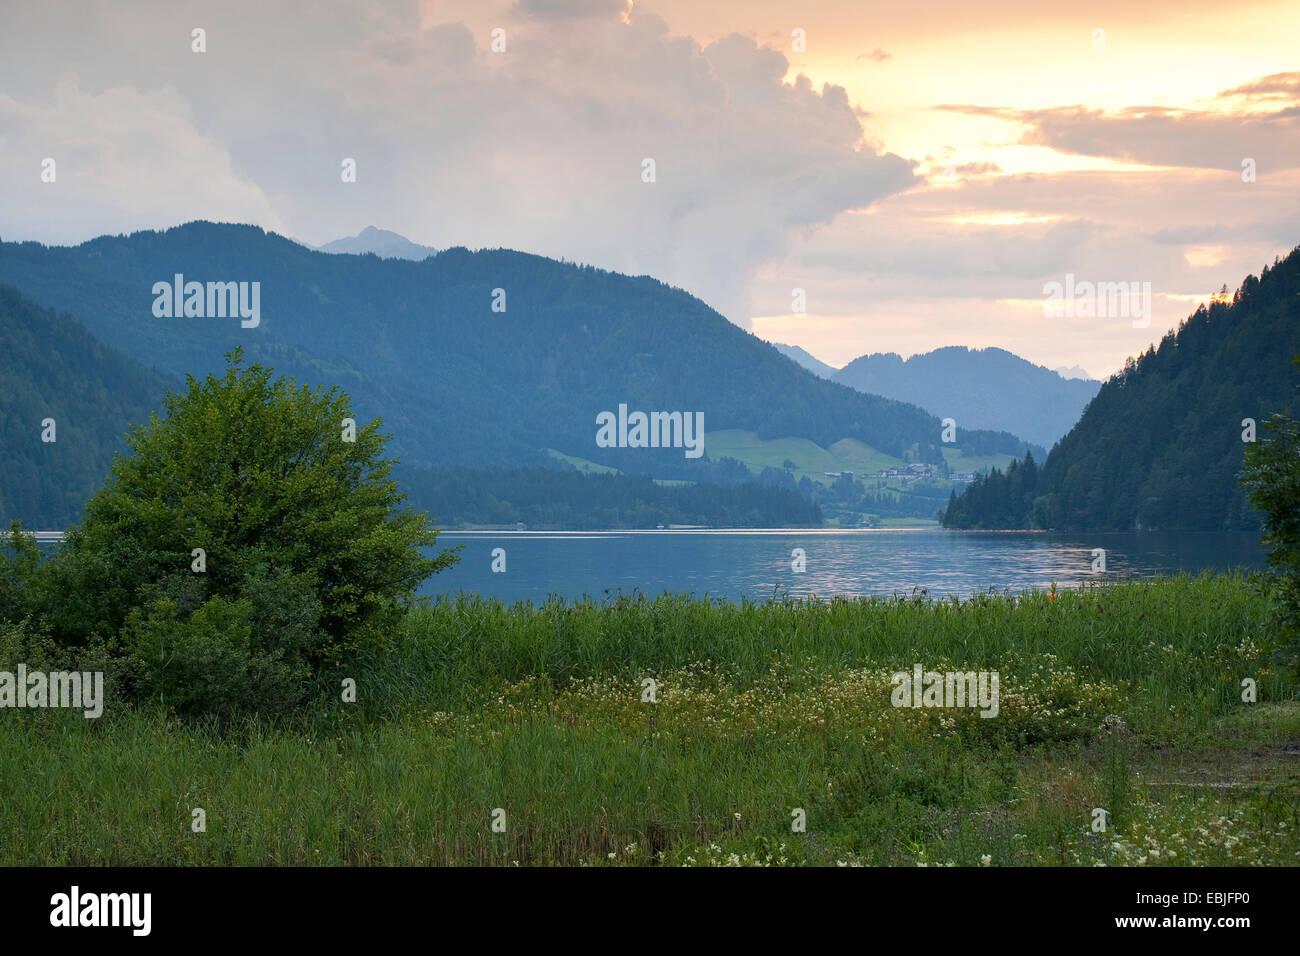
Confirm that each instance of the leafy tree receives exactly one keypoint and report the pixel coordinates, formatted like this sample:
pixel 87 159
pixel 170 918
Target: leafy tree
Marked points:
pixel 247 512
pixel 1272 475
pixel 19 560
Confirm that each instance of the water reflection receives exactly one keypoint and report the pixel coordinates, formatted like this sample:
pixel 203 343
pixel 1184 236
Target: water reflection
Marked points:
pixel 756 564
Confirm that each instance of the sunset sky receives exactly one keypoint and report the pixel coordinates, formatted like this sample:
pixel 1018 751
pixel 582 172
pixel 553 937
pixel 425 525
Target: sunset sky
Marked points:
pixel 920 170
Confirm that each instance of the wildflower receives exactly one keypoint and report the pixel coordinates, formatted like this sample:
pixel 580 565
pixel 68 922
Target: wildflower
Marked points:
pixel 986 860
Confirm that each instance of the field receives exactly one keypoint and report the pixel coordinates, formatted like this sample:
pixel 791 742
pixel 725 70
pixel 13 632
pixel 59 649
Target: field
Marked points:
pixel 959 462
pixel 810 459
pixel 813 461
pixel 582 464
pixel 1119 705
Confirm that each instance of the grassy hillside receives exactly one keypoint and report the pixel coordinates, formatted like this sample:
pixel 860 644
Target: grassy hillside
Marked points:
pixel 977 463
pixel 582 464
pixel 813 461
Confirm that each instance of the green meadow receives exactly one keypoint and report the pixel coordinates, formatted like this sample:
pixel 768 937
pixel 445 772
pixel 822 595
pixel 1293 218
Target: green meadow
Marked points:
pixel 810 459
pixel 527 735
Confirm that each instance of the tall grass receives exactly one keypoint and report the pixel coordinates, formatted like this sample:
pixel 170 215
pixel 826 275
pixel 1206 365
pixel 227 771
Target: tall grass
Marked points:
pixel 761 710
pixel 1179 642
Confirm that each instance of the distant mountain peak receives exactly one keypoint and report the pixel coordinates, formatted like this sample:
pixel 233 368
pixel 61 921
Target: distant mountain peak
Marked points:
pixel 382 242
pixel 1073 371
pixel 988 388
pixel 808 361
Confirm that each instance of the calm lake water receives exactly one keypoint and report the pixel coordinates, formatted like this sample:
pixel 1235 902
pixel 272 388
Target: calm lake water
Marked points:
pixel 755 564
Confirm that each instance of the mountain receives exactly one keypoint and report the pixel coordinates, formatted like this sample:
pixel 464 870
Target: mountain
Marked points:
pixel 381 242
pixel 816 366
pixel 52 368
pixel 979 388
pixel 1073 371
pixel 470 358
pixel 1160 447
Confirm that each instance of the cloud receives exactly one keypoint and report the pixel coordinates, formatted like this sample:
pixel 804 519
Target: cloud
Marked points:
pixel 541 147
pixel 452 48
pixel 764 180
pixel 122 158
pixel 571 9
pixel 1158 135
pixel 1284 86
pixel 965 263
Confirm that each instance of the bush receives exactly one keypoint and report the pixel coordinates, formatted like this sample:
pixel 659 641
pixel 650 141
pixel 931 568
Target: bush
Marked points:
pixel 307 556
pixel 1272 473
pixel 19 560
pixel 209 662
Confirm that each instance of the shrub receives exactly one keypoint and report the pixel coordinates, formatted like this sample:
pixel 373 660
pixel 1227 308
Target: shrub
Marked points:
pixel 209 662
pixel 308 556
pixel 1272 473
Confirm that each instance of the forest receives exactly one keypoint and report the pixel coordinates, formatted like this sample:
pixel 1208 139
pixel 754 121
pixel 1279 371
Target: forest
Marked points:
pixel 53 370
pixel 546 498
pixel 1161 445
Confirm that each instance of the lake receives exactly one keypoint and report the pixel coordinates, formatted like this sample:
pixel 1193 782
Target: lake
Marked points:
pixel 757 563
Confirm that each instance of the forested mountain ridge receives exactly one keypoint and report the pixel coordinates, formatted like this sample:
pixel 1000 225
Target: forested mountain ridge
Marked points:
pixel 419 343
pixel 1160 447
pixel 53 369
pixel 67 402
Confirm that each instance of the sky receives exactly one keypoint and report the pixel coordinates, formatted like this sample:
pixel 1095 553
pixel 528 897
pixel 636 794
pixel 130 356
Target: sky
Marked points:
pixel 918 172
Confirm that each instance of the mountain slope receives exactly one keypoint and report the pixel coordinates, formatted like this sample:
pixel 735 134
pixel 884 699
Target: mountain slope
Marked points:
pixel 456 382
pixel 979 388
pixel 1161 445
pixel 51 367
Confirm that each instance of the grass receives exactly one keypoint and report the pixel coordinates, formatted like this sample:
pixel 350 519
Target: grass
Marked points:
pixel 813 461
pixel 959 462
pixel 908 523
pixel 582 464
pixel 810 459
pixel 1124 697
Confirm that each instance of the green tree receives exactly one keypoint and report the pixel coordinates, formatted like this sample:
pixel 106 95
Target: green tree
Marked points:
pixel 249 509
pixel 19 560
pixel 1272 476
